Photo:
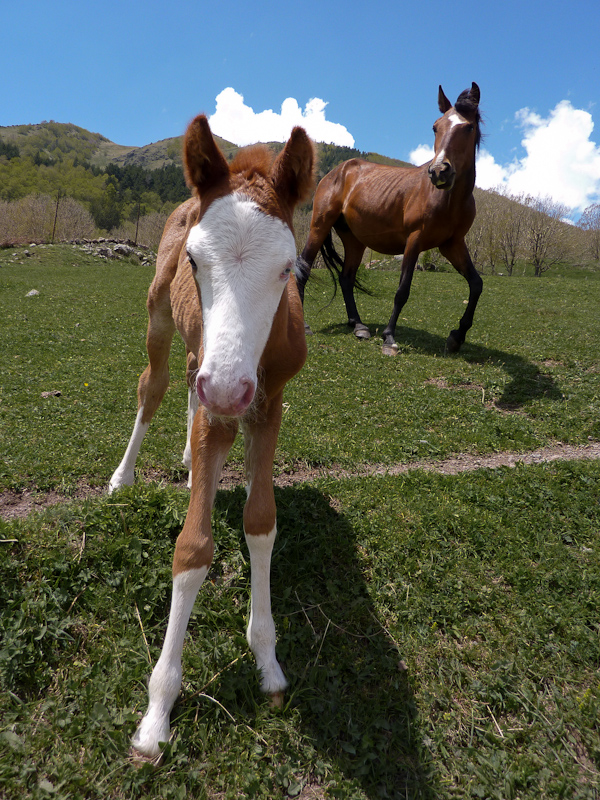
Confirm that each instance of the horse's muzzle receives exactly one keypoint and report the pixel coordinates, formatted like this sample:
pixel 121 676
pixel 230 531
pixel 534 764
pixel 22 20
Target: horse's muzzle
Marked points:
pixel 442 175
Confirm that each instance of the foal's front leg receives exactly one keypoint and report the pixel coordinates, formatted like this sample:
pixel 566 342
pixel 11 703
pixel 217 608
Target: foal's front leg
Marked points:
pixel 260 530
pixel 193 556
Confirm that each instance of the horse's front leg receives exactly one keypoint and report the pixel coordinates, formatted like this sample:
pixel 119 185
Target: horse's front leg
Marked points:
pixel 458 255
pixel 411 254
pixel 193 556
pixel 260 530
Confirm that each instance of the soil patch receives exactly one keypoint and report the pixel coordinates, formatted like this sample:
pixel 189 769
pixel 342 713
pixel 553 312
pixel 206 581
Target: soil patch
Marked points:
pixel 20 504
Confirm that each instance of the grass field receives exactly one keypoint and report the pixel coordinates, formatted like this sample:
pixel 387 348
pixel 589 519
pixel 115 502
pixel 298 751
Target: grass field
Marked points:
pixel 440 633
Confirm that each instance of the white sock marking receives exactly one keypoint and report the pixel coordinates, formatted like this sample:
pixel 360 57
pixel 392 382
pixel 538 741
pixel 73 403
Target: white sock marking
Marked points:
pixel 165 681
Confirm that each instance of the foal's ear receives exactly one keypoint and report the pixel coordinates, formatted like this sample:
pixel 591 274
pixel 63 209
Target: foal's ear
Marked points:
pixel 293 169
pixel 204 164
pixel 443 103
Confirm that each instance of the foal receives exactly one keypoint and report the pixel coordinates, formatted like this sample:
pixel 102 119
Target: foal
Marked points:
pixel 224 280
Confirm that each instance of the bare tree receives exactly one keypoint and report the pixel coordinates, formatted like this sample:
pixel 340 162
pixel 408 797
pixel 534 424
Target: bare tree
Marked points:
pixel 510 230
pixel 545 240
pixel 590 223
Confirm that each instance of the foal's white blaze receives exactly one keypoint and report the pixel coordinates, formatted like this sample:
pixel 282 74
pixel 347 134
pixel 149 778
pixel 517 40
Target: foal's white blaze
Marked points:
pixel 243 259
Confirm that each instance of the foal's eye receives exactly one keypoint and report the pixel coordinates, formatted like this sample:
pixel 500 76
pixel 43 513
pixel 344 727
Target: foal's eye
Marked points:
pixel 192 262
pixel 285 273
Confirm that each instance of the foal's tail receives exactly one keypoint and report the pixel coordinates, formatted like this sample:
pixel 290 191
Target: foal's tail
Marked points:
pixel 335 263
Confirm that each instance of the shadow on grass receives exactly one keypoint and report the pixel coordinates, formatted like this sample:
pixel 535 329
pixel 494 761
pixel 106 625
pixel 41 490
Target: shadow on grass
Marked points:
pixel 526 381
pixel 348 683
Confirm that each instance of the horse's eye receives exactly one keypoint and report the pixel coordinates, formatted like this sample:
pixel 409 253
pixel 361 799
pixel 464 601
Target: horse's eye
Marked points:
pixel 471 128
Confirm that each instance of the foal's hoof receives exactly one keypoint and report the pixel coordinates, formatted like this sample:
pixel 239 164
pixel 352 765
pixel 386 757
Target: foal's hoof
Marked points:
pixel 361 331
pixel 452 343
pixel 390 349
pixel 138 759
pixel 276 700
pixel 307 329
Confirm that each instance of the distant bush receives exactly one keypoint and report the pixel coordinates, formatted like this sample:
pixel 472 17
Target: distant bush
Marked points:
pixel 36 218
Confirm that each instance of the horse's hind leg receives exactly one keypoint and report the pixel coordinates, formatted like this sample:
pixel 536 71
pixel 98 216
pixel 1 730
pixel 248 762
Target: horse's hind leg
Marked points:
pixel 152 385
pixel 353 253
pixel 411 254
pixel 458 255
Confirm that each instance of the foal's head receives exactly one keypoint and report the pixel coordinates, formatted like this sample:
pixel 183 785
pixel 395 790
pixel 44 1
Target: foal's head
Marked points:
pixel 242 253
pixel 457 137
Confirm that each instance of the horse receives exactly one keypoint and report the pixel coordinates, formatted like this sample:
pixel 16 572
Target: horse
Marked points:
pixel 406 210
pixel 225 280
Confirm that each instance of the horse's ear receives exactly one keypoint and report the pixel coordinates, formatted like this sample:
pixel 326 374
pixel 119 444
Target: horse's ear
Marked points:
pixel 469 97
pixel 443 103
pixel 475 94
pixel 293 169
pixel 204 164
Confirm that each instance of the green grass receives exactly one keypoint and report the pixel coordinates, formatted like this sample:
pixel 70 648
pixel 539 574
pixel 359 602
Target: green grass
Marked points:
pixel 528 375
pixel 440 633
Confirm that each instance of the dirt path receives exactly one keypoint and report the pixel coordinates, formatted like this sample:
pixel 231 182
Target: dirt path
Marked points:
pixel 20 504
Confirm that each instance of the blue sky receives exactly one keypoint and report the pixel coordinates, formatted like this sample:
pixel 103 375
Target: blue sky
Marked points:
pixel 138 72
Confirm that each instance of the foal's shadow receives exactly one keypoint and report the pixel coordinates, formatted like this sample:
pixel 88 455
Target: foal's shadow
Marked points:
pixel 348 683
pixel 527 382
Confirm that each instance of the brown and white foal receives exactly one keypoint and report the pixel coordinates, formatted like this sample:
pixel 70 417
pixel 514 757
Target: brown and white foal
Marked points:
pixel 224 280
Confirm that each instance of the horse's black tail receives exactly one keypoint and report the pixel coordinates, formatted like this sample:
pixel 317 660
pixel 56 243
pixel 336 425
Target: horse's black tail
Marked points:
pixel 335 263
pixel 332 260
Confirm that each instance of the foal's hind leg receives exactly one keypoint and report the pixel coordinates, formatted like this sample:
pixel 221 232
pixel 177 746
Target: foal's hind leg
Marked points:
pixel 152 386
pixel 193 404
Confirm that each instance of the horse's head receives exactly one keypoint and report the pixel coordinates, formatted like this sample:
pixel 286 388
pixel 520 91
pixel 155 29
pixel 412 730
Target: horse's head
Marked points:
pixel 242 253
pixel 457 136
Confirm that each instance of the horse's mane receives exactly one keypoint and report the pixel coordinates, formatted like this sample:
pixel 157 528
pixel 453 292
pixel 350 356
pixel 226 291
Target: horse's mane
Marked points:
pixel 465 106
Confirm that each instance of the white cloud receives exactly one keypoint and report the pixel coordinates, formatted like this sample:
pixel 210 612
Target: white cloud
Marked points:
pixel 561 160
pixel 238 123
pixel 421 154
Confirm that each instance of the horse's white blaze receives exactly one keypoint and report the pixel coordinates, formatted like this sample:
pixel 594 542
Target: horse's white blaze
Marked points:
pixel 165 681
pixel 456 119
pixel 261 628
pixel 124 474
pixel 243 258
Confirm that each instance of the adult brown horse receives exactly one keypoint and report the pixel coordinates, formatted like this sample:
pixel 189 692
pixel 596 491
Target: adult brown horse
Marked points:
pixel 224 280
pixel 402 210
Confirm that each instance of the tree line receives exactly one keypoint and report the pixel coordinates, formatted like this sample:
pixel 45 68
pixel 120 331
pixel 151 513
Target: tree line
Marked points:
pixel 50 189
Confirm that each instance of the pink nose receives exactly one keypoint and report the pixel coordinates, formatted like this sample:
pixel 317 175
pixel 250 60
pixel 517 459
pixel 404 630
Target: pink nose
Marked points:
pixel 229 402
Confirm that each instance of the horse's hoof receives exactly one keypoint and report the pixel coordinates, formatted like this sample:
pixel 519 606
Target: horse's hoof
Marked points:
pixel 390 349
pixel 276 700
pixel 362 332
pixel 307 329
pixel 452 344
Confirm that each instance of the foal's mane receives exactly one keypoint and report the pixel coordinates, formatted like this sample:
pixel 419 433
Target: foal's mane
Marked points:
pixel 256 159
